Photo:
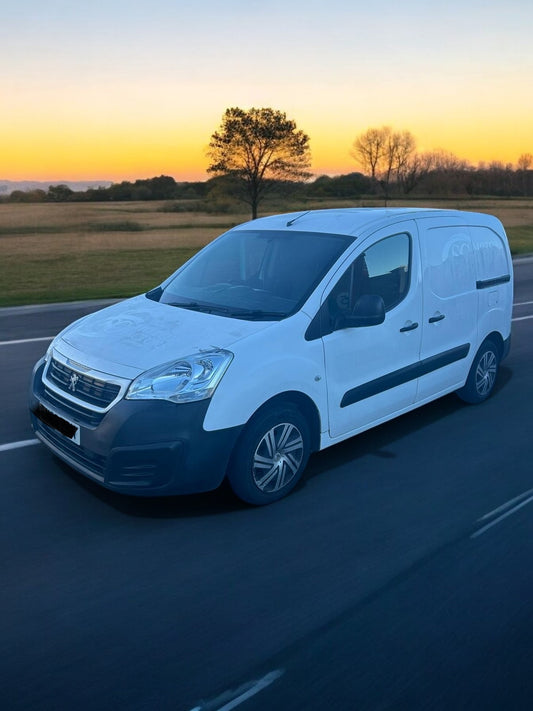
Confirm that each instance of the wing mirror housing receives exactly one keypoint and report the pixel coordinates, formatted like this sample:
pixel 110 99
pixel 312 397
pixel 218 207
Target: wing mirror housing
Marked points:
pixel 369 310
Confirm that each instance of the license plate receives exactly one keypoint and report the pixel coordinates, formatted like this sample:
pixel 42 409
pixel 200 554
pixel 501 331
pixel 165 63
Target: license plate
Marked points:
pixel 66 428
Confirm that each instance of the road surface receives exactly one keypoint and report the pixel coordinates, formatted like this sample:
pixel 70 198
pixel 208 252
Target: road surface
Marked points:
pixel 398 575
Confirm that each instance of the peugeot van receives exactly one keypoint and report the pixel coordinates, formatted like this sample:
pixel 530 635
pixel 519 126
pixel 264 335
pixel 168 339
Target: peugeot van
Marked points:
pixel 282 337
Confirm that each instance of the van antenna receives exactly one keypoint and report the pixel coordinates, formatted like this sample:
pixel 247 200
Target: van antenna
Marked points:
pixel 291 222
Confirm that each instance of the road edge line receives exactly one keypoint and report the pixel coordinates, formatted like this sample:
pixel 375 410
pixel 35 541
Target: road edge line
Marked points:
pixel 17 445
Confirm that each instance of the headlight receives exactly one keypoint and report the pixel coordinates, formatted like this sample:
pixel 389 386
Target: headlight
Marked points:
pixel 185 380
pixel 50 349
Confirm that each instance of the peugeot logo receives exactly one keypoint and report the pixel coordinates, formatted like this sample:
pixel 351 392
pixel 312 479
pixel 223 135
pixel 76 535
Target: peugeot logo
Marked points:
pixel 73 381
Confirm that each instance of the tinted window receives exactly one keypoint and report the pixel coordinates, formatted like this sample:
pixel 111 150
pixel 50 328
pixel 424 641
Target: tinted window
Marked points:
pixel 255 274
pixel 383 269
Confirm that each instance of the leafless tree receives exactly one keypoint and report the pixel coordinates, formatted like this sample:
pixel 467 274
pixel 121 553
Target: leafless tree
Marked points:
pixel 525 161
pixel 385 154
pixel 448 162
pixel 414 170
pixel 370 147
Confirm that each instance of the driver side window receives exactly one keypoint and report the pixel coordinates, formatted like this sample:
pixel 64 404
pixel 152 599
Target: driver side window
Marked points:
pixel 382 269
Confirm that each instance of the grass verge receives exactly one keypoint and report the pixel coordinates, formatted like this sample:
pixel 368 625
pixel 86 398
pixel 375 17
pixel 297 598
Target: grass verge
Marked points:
pixel 95 275
pixel 520 239
pixel 65 252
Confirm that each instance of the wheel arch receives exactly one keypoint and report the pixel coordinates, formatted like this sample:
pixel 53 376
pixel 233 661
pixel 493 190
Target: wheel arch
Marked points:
pixel 304 404
pixel 497 339
pixel 474 392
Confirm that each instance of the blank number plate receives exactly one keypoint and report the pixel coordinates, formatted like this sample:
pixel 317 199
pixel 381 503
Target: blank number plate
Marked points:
pixel 66 428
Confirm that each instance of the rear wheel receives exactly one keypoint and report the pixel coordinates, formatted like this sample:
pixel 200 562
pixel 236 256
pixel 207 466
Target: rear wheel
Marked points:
pixel 271 455
pixel 482 376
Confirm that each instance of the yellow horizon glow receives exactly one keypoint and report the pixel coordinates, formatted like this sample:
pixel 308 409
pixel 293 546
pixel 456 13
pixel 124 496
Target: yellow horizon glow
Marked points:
pixel 89 140
pixel 136 153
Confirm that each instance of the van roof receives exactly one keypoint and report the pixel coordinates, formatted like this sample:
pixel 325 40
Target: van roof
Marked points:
pixel 354 221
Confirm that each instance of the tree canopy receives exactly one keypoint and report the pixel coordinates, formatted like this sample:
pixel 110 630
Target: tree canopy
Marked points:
pixel 257 146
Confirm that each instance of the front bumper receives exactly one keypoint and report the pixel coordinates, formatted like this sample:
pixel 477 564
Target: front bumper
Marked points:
pixel 144 447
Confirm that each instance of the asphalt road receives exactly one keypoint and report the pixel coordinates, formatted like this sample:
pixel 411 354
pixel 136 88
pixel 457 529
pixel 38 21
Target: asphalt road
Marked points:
pixel 397 576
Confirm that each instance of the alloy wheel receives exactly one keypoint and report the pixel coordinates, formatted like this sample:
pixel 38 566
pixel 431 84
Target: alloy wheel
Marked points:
pixel 278 457
pixel 486 373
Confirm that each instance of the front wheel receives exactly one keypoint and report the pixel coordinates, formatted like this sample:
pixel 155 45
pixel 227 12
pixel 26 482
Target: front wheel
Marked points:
pixel 482 376
pixel 271 455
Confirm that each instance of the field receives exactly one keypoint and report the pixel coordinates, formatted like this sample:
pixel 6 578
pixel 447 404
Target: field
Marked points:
pixel 68 251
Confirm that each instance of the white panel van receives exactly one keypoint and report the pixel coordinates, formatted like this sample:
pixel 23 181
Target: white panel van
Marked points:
pixel 282 337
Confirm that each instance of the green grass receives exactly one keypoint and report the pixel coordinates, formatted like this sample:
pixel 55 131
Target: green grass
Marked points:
pixel 56 252
pixel 118 273
pixel 96 275
pixel 521 239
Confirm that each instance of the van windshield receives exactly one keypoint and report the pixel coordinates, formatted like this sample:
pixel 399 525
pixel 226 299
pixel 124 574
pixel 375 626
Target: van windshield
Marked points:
pixel 254 275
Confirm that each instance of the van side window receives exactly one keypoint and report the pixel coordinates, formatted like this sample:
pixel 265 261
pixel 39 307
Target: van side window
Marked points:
pixel 383 269
pixel 491 258
pixel 448 261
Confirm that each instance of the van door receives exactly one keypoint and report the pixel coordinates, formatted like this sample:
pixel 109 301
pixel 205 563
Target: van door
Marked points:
pixel 493 281
pixel 450 306
pixel 369 369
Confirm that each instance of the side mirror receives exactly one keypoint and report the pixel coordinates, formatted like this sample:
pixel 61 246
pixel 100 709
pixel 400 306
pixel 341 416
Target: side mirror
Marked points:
pixel 369 310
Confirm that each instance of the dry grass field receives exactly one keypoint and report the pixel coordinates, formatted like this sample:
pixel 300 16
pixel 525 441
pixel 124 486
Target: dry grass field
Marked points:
pixel 68 251
pixel 55 228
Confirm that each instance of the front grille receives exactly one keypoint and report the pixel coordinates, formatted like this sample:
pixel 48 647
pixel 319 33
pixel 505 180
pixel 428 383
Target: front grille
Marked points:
pixel 70 409
pixel 93 391
pixel 87 460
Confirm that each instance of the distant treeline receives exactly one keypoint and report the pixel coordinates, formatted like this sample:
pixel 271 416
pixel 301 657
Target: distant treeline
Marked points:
pixel 220 193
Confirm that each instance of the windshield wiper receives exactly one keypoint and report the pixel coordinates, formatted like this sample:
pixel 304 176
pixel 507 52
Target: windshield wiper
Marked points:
pixel 206 308
pixel 258 315
pixel 246 314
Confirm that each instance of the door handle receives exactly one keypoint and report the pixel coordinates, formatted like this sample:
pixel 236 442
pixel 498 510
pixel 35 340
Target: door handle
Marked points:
pixel 411 327
pixel 434 319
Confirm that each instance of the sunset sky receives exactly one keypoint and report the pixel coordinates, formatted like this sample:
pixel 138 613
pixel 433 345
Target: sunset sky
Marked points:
pixel 122 89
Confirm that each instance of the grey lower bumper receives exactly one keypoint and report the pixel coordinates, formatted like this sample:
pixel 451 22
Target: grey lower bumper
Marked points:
pixel 147 448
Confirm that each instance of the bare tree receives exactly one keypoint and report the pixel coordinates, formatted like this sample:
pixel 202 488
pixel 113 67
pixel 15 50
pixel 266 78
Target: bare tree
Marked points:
pixel 414 170
pixel 400 146
pixel 384 153
pixel 256 146
pixel 525 161
pixel 403 150
pixel 369 148
pixel 448 162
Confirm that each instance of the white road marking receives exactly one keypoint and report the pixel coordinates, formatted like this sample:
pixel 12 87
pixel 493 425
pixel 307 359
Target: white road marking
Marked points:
pixel 507 504
pixel 17 445
pixel 244 692
pixel 26 340
pixel 522 303
pixel 522 318
pixel 510 507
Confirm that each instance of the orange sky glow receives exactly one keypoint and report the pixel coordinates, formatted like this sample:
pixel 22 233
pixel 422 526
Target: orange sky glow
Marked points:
pixel 117 91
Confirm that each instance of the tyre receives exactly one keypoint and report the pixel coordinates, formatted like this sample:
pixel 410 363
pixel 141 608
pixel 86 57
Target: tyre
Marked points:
pixel 482 376
pixel 270 456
